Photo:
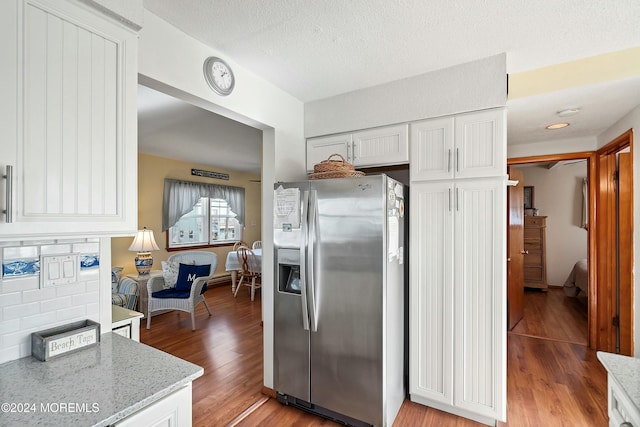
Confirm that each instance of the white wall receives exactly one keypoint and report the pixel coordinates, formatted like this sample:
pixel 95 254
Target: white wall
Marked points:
pixel 171 61
pixel 558 195
pixel 574 145
pixel 472 86
pixel 631 121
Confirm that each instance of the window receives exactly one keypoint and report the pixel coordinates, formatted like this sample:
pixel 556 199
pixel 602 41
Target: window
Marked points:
pixel 196 214
pixel 210 222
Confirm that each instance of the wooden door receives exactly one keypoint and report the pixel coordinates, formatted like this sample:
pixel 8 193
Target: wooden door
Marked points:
pixel 625 253
pixel 515 248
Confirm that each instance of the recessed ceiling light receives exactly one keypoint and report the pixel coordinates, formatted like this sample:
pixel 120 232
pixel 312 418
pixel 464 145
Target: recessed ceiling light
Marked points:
pixel 568 112
pixel 558 126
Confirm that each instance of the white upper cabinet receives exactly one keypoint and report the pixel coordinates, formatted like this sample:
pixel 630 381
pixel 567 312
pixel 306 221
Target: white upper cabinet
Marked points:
pixel 464 146
pixel 69 122
pixel 381 146
pixel 388 145
pixel 319 149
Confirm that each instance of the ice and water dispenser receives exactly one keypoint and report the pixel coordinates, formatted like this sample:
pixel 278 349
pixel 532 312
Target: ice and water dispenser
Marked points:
pixel 288 271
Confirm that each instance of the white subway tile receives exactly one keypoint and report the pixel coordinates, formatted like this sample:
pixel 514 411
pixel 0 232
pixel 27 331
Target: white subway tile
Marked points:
pixel 39 321
pixel 72 240
pixel 13 298
pixel 8 354
pixel 93 286
pixel 9 326
pixel 25 348
pixel 75 288
pixel 83 299
pixel 89 274
pixel 17 338
pixel 38 295
pixel 22 310
pixel 20 252
pixel 87 248
pixel 20 284
pixel 55 249
pixel 55 304
pixel 93 309
pixel 93 239
pixel 70 313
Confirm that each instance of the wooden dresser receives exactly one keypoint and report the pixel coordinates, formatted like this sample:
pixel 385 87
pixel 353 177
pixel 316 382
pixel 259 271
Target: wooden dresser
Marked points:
pixel 535 258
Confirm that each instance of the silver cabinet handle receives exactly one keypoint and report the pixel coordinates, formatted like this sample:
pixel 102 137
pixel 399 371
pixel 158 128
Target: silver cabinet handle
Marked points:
pixel 449 161
pixel 9 195
pixel 626 424
pixel 449 199
pixel 457 160
pixel 457 199
pixel 525 252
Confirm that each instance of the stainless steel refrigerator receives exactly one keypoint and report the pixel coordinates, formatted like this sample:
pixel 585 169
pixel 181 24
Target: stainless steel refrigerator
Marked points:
pixel 339 335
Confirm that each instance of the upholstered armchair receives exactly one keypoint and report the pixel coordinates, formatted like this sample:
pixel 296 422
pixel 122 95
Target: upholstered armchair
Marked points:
pixel 124 290
pixel 185 290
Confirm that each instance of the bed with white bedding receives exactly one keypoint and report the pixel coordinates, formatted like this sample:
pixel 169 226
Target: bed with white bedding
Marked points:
pixel 578 280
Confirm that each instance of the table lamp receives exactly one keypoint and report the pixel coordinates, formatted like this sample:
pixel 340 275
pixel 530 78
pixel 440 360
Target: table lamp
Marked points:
pixel 144 243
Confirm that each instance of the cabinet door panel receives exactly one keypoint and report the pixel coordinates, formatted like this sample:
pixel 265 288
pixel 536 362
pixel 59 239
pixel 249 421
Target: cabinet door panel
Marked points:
pixel 480 144
pixel 432 149
pixel 319 149
pixel 431 292
pixel 74 152
pixel 382 146
pixel 480 297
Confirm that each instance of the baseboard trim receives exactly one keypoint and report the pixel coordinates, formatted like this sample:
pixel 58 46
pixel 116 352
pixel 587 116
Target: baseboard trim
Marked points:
pixel 269 392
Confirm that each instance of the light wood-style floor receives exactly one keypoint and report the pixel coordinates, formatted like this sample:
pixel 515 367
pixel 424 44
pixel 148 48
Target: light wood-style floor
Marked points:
pixel 550 383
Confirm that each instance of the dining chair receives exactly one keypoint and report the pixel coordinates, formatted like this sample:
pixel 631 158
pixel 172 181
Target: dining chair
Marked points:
pixel 249 270
pixel 238 244
pixel 257 244
pixel 196 268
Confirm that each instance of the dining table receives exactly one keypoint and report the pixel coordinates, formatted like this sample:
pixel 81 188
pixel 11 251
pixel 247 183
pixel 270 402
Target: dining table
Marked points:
pixel 232 265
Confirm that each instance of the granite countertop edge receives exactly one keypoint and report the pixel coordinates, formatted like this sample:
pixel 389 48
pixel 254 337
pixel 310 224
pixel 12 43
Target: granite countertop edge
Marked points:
pixel 626 371
pixel 121 375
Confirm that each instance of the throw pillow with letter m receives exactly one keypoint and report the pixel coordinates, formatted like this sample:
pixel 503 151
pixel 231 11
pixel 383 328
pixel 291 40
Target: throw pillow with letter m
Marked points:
pixel 187 274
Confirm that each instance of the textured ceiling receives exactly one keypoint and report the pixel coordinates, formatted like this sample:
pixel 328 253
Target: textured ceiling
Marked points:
pixel 314 49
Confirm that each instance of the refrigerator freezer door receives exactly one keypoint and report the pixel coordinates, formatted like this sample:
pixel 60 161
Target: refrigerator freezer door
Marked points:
pixel 349 256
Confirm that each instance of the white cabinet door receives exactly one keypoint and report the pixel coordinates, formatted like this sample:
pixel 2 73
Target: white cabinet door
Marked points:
pixel 431 341
pixel 319 149
pixel 387 145
pixel 173 410
pixel 457 351
pixel 466 146
pixel 480 297
pixel 71 74
pixel 432 149
pixel 480 144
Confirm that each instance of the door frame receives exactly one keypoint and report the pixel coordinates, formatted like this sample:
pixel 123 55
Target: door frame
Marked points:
pixel 605 262
pixel 591 158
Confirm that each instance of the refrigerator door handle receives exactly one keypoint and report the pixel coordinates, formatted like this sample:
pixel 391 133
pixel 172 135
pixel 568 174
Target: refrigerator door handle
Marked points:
pixel 313 216
pixel 303 256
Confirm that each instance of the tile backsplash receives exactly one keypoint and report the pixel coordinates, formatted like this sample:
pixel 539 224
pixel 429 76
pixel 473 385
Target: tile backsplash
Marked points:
pixel 25 307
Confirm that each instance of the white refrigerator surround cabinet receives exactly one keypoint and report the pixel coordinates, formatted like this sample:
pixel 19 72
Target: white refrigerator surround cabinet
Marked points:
pixel 339 298
pixel 68 121
pixel 457 292
pixel 388 145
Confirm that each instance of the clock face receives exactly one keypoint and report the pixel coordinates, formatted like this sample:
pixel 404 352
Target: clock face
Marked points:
pixel 219 75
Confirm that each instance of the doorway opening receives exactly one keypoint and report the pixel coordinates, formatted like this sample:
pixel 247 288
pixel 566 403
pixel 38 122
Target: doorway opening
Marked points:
pixel 527 266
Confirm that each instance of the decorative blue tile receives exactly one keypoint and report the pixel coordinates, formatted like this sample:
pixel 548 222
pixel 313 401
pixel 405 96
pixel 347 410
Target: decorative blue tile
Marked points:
pixel 89 261
pixel 20 267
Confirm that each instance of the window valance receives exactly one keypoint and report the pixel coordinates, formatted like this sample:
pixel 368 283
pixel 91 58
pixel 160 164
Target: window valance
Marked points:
pixel 181 196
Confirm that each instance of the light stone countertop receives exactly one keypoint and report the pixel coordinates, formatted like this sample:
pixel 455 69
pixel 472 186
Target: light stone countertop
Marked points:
pixel 99 385
pixel 626 370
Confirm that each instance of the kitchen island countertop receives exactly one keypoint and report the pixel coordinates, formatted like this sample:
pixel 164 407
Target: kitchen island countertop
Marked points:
pixel 96 386
pixel 626 370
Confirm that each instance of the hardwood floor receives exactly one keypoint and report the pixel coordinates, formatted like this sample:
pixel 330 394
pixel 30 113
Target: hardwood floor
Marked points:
pixel 549 383
pixel 553 315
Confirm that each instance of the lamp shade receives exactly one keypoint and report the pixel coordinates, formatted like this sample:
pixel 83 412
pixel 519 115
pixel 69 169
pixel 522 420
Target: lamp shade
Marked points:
pixel 144 242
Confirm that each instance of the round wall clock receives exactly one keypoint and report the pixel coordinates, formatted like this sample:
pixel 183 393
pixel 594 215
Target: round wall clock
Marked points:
pixel 219 75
